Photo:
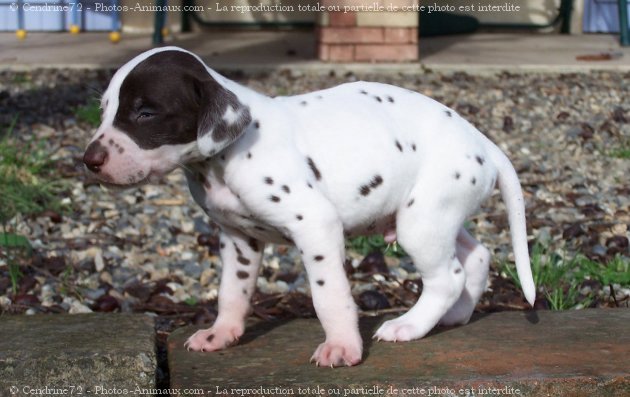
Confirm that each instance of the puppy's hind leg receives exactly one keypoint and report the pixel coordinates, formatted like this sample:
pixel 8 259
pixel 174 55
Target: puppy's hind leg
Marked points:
pixel 476 260
pixel 427 230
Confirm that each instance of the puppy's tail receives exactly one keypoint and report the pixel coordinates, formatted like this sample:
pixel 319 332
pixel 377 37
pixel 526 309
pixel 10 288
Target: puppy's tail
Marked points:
pixel 512 195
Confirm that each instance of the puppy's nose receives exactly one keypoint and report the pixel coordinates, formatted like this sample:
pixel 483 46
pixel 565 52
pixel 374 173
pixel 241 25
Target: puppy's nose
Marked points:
pixel 95 156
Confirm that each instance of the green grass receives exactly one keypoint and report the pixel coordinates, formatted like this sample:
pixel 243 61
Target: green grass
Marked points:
pixel 28 187
pixel 560 277
pixel 26 177
pixel 367 244
pixel 621 151
pixel 21 78
pixel 90 113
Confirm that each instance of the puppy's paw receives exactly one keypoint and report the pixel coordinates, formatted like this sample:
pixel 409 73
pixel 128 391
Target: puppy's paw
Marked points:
pixel 217 337
pixel 337 354
pixel 398 330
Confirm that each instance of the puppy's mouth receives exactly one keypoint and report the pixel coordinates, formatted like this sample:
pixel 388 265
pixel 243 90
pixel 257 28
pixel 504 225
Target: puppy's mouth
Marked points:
pixel 130 182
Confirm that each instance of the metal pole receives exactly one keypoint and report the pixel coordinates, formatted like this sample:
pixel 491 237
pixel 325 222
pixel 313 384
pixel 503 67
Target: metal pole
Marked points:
pixel 624 34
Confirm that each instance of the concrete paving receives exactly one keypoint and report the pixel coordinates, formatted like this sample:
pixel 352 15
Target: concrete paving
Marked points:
pixel 81 354
pixel 570 353
pixel 296 50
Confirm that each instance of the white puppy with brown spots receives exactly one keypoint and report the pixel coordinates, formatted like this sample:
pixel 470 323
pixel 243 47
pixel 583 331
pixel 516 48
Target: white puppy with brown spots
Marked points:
pixel 360 158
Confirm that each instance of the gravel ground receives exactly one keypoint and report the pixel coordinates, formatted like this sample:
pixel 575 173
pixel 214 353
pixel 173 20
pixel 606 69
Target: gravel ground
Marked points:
pixel 151 249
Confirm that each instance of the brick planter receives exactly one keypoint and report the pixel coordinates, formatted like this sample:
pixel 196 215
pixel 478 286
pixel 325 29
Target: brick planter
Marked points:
pixel 357 36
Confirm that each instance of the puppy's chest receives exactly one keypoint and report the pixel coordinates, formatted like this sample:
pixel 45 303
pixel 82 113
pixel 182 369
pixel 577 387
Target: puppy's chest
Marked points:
pixel 210 191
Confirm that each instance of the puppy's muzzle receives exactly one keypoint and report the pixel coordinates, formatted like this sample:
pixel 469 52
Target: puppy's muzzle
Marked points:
pixel 95 156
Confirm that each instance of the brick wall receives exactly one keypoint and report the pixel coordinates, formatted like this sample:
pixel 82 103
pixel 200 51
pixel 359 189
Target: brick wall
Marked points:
pixel 362 36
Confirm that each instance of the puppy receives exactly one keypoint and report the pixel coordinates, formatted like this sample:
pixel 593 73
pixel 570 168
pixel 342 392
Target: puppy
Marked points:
pixel 357 159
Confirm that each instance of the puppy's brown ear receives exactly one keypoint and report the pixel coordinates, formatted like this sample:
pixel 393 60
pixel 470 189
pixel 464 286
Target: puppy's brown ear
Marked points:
pixel 222 117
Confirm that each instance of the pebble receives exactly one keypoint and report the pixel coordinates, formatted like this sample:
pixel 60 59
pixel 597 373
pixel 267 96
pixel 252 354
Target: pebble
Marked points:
pixel 99 263
pixel 77 307
pixel 558 140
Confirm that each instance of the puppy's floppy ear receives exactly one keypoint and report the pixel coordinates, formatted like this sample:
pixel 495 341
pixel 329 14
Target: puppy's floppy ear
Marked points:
pixel 222 117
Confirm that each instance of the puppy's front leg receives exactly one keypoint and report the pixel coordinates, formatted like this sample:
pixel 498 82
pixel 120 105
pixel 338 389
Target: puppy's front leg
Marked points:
pixel 323 253
pixel 241 257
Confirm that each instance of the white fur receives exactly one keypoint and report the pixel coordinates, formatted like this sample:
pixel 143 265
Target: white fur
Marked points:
pixel 435 171
pixel 230 116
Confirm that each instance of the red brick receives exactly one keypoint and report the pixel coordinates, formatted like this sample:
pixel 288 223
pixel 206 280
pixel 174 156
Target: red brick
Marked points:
pixel 401 35
pixel 351 35
pixel 341 19
pixel 386 52
pixel 323 52
pixel 341 53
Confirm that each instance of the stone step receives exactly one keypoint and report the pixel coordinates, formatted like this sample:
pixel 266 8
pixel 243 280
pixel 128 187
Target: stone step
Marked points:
pixel 570 353
pixel 86 354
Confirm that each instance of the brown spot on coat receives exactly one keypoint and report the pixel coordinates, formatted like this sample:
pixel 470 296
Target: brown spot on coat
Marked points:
pixel 376 181
pixel 314 168
pixel 242 274
pixel 253 244
pixel 399 146
pixel 318 258
pixel 269 180
pixel 320 282
pixel 275 199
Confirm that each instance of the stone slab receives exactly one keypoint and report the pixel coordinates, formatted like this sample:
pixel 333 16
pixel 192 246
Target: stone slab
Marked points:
pixel 45 354
pixel 572 353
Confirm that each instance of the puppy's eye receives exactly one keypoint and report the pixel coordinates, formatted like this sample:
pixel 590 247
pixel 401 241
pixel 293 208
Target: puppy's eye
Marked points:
pixel 145 114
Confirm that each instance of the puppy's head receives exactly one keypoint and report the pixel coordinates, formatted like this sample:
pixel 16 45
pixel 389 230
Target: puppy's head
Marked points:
pixel 162 109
